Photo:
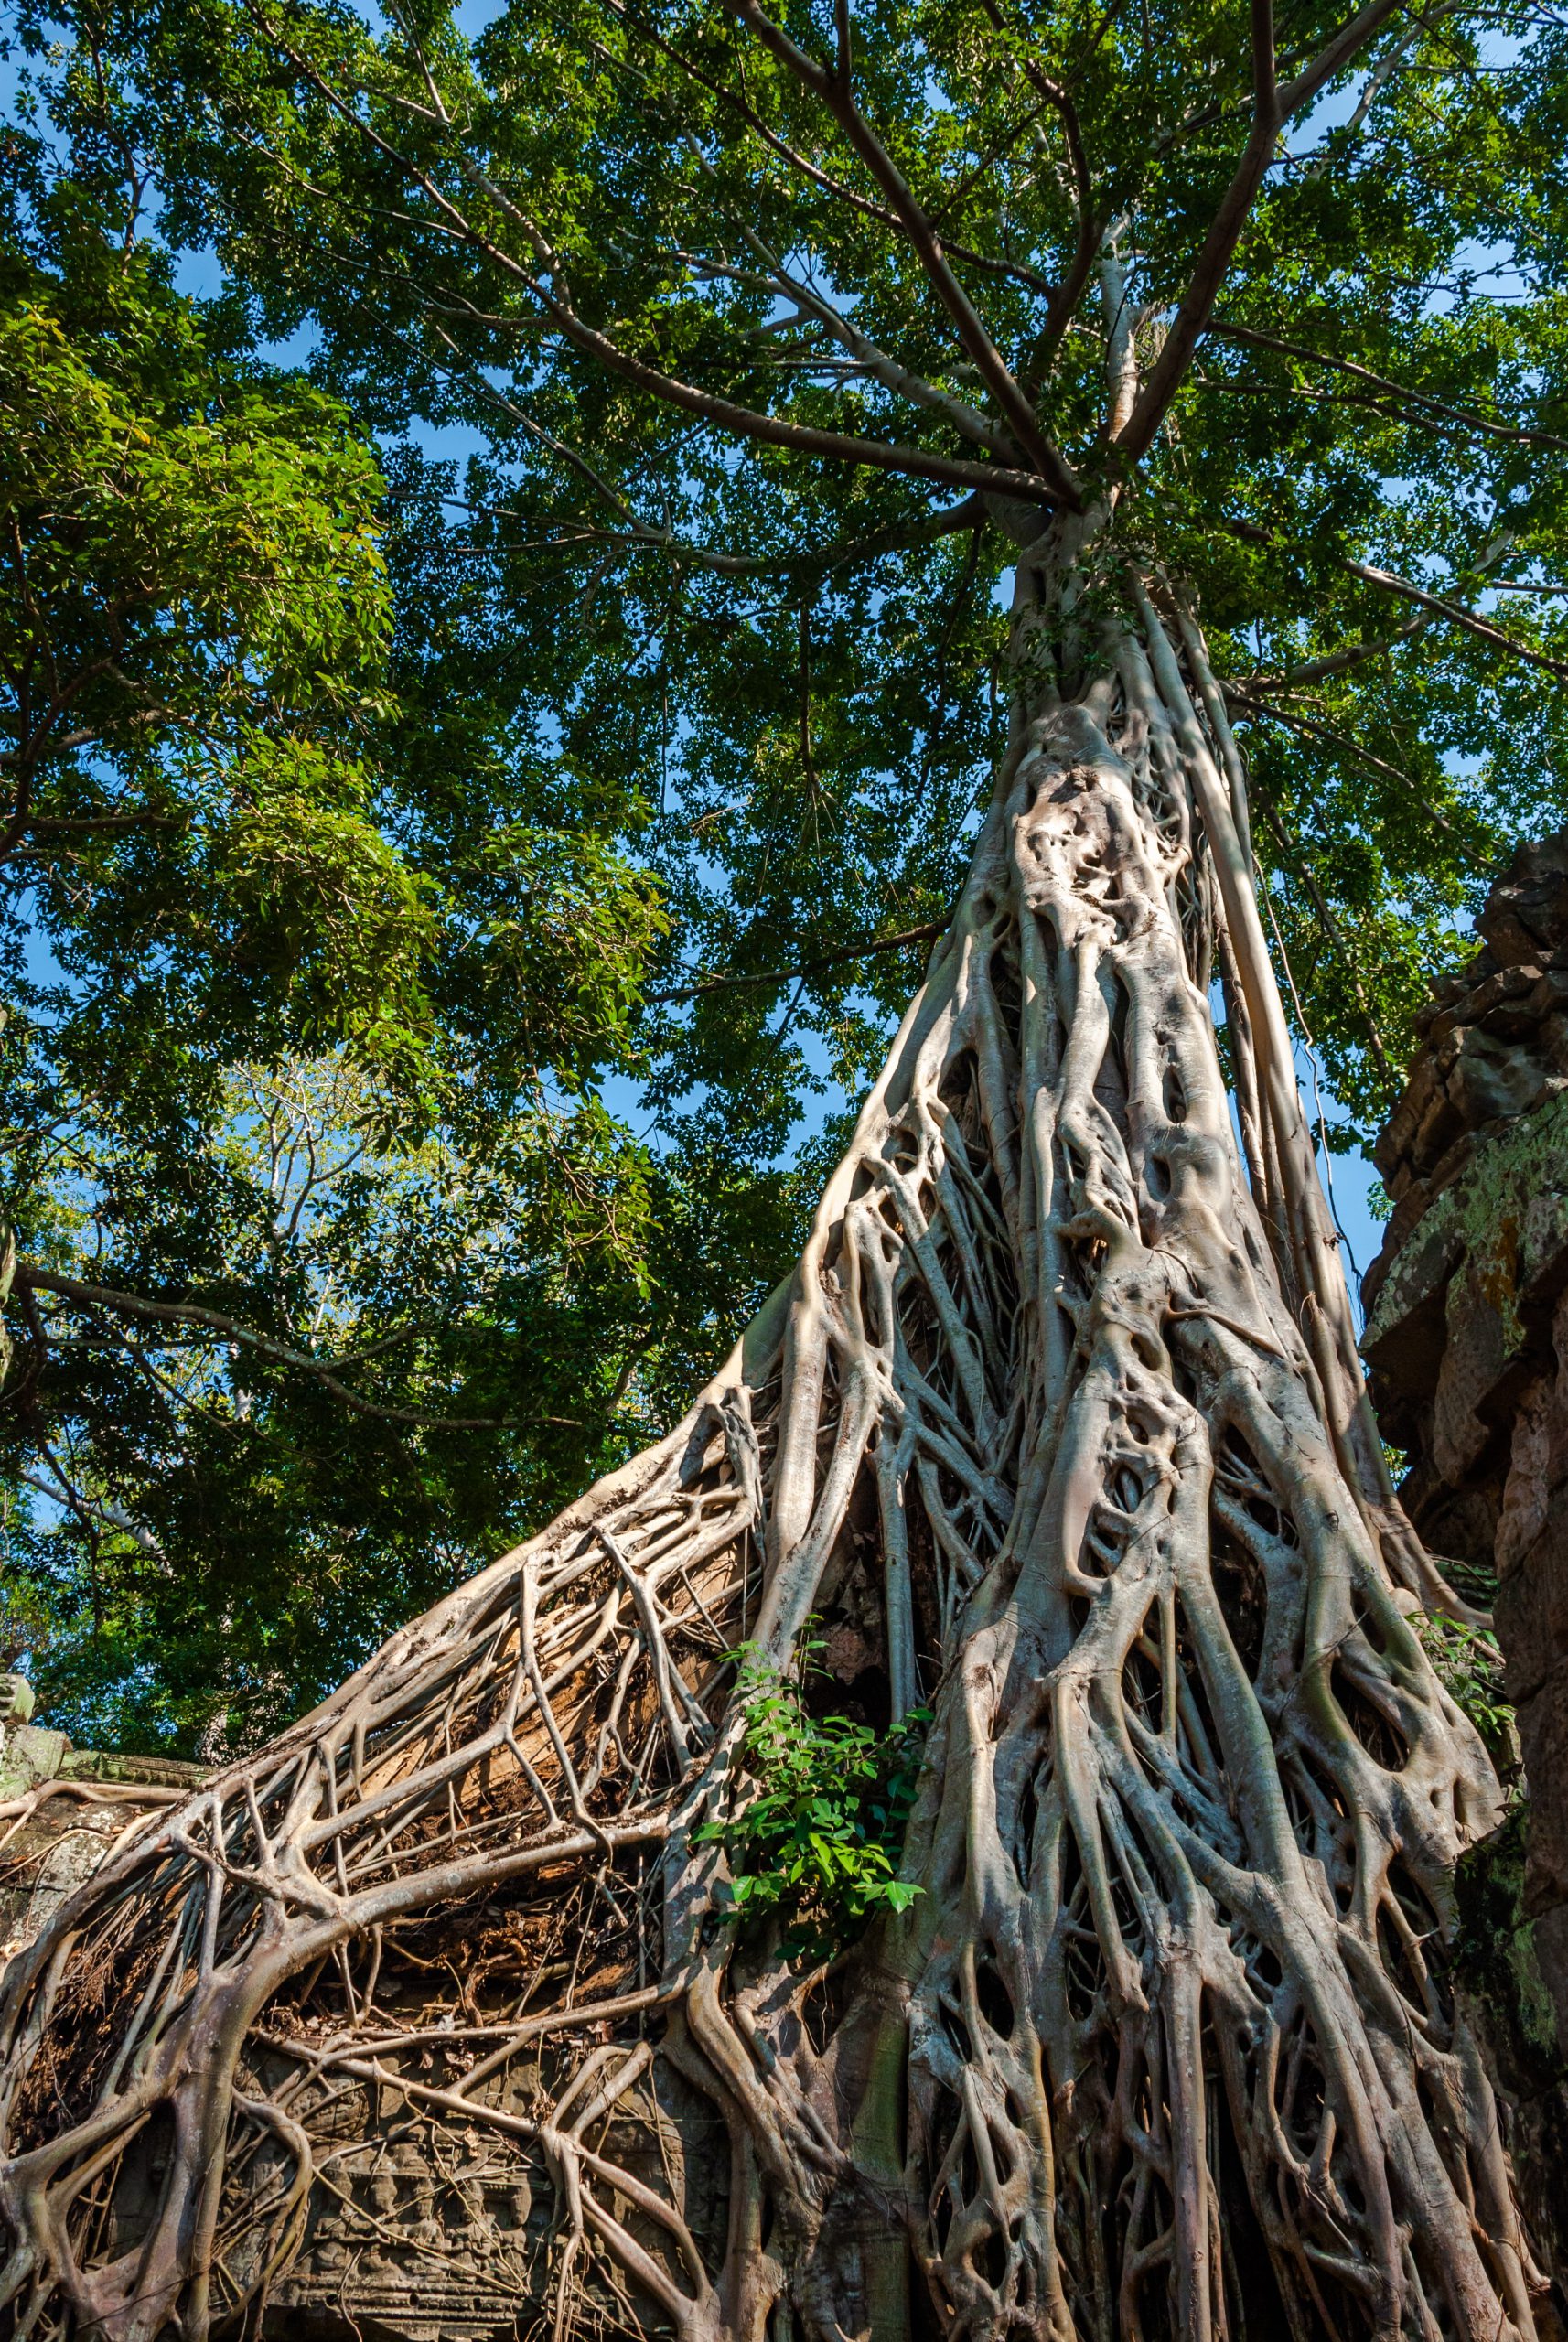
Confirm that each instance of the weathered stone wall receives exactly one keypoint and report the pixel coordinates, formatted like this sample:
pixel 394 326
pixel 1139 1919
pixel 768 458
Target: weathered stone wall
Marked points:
pixel 1468 1341
pixel 61 1809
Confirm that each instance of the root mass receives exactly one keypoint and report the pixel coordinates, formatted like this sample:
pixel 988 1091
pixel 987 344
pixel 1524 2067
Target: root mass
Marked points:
pixel 1059 1427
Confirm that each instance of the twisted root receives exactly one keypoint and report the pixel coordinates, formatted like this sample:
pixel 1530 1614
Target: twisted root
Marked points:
pixel 1057 1426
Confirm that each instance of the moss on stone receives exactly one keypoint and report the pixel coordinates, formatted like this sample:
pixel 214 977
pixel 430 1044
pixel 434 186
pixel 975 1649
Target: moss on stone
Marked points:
pixel 1482 1215
pixel 1494 1956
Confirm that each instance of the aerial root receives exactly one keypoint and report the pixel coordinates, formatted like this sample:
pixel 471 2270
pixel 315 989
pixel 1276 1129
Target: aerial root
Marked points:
pixel 1056 1432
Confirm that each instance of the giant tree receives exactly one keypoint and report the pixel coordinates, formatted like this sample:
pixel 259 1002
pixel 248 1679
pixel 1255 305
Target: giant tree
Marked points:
pixel 1130 2016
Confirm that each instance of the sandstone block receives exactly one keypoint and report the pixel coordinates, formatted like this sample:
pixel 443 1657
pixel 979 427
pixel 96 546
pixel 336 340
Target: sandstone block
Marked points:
pixel 1490 1081
pixel 1549 1945
pixel 1403 1291
pixel 31 1753
pixel 1510 940
pixel 1484 1363
pixel 1407 1212
pixel 1398 1136
pixel 1532 1614
pixel 1527 909
pixel 1527 1496
pixel 1506 995
pixel 1543 1249
pixel 1543 1737
pixel 1450 1168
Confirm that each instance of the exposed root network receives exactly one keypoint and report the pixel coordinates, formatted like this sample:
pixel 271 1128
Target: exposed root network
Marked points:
pixel 1059 1426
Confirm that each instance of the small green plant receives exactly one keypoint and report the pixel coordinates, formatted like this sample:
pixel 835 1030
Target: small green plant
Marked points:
pixel 817 1845
pixel 1470 1666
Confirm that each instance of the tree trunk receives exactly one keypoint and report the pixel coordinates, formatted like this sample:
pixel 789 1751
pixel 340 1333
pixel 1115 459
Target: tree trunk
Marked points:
pixel 1059 1426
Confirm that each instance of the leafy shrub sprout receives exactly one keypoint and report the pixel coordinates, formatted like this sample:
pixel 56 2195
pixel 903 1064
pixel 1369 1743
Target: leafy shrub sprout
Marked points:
pixel 816 1840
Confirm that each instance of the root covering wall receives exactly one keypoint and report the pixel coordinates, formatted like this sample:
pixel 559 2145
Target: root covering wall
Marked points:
pixel 1061 1408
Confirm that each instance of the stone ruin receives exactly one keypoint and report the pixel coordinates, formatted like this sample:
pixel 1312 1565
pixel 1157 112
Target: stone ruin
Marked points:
pixel 408 2245
pixel 61 1809
pixel 1467 1337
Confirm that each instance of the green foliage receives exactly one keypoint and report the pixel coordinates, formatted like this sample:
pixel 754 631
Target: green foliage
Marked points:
pixel 306 991
pixel 239 1528
pixel 188 541
pixel 1470 1666
pixel 815 1840
pixel 809 709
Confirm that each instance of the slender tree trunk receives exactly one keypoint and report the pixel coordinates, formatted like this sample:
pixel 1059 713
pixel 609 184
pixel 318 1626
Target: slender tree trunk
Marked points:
pixel 1059 1424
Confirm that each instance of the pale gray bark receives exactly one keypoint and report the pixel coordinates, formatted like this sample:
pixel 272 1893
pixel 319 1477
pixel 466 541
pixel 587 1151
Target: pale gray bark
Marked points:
pixel 1068 1391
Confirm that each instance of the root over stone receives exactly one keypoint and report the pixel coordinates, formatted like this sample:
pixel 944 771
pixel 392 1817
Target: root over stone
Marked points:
pixel 1058 1425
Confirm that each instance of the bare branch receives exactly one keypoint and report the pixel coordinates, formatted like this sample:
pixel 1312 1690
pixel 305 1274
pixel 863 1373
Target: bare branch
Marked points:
pixel 836 96
pixel 30 1281
pixel 868 357
pixel 836 446
pixel 1470 620
pixel 1470 422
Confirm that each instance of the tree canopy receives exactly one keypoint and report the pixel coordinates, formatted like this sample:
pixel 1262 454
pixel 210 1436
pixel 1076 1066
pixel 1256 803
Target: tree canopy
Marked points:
pixel 470 786
pixel 319 1224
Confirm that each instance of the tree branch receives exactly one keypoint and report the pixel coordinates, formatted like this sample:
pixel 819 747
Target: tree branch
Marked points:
pixel 1272 107
pixel 1252 703
pixel 868 357
pixel 1470 620
pixel 641 534
pixel 30 1281
pixel 864 204
pixel 1336 663
pixel 1091 229
pixel 748 423
pixel 1250 335
pixel 1224 234
pixel 926 934
pixel 896 538
pixel 725 414
pixel 834 91
pixel 1350 36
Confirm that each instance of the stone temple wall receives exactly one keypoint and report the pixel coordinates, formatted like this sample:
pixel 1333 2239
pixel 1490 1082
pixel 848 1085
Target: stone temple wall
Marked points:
pixel 1466 1338
pixel 61 1810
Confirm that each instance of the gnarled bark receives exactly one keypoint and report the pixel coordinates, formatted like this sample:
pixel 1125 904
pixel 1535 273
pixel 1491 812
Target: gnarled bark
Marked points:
pixel 1061 1406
